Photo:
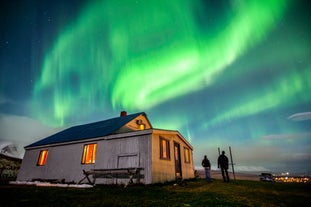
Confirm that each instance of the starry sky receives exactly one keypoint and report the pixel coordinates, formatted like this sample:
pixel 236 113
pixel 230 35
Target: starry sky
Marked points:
pixel 222 72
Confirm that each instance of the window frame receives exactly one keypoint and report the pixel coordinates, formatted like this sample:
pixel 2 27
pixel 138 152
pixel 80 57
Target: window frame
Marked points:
pixel 85 154
pixel 43 155
pixel 167 149
pixel 187 155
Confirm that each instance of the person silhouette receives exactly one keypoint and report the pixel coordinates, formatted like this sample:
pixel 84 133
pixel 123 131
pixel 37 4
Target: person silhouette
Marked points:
pixel 207 167
pixel 223 163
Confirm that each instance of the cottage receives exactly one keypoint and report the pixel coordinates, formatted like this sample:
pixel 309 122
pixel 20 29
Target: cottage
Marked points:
pixel 110 152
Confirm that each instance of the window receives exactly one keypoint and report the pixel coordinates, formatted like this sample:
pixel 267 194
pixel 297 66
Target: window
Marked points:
pixel 142 127
pixel 187 155
pixel 140 124
pixel 42 157
pixel 89 154
pixel 164 149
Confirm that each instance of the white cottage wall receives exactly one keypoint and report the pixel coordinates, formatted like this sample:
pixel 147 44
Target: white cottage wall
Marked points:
pixel 26 172
pixel 63 162
pixel 125 152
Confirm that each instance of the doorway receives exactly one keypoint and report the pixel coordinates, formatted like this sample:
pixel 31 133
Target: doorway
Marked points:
pixel 178 171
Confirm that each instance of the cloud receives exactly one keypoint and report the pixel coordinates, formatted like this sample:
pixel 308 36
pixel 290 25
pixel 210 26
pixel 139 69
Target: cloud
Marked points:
pixel 300 116
pixel 23 130
pixel 286 136
pixel 302 156
pixel 246 168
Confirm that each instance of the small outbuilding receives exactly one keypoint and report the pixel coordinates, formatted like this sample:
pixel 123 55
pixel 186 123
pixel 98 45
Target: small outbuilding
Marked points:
pixel 114 151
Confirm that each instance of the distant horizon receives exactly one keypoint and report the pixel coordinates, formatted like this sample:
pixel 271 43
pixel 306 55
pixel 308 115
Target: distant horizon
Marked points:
pixel 254 172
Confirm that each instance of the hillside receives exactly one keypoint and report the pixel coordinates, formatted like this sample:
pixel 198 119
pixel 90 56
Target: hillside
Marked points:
pixel 9 167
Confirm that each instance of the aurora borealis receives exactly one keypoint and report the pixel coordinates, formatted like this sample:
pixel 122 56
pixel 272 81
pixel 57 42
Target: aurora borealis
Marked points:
pixel 223 73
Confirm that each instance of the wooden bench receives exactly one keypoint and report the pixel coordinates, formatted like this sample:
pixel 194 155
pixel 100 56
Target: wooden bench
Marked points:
pixel 120 173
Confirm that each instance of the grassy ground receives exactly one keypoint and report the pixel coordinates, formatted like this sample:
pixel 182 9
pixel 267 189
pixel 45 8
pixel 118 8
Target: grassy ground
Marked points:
pixel 191 193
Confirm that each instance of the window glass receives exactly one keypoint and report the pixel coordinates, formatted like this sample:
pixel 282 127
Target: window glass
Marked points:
pixel 187 155
pixel 164 149
pixel 142 127
pixel 42 157
pixel 89 154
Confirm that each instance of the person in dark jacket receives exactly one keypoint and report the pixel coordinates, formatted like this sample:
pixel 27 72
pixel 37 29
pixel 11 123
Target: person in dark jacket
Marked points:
pixel 207 167
pixel 223 163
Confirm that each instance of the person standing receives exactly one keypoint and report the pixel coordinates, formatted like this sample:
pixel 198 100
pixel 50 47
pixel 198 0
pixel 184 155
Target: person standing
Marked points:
pixel 223 163
pixel 207 167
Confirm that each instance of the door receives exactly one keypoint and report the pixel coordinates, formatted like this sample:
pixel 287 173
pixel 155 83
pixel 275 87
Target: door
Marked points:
pixel 178 172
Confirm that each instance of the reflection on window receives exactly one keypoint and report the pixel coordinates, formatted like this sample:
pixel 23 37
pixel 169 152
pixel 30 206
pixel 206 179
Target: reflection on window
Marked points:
pixel 164 149
pixel 42 157
pixel 187 155
pixel 89 154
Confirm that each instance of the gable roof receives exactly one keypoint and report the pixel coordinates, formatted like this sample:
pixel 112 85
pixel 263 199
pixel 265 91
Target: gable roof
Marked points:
pixel 87 131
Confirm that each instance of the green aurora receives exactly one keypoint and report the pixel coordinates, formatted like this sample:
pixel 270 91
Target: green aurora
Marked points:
pixel 137 56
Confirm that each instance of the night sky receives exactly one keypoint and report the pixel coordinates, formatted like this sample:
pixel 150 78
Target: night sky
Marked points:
pixel 221 72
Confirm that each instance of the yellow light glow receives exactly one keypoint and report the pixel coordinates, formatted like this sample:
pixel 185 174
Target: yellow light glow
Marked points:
pixel 141 127
pixel 187 155
pixel 164 147
pixel 42 157
pixel 89 154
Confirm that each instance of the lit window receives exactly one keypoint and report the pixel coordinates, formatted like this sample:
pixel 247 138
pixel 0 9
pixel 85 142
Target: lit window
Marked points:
pixel 42 157
pixel 164 149
pixel 140 124
pixel 89 154
pixel 141 127
pixel 187 155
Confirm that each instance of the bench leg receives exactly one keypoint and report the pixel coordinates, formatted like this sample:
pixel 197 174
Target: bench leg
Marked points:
pixel 86 177
pixel 130 181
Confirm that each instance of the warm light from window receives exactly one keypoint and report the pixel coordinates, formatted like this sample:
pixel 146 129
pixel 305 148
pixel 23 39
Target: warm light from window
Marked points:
pixel 89 154
pixel 42 157
pixel 187 155
pixel 164 149
pixel 141 127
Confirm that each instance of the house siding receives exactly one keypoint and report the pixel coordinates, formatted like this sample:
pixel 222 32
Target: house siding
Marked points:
pixel 64 161
pixel 123 153
pixel 132 149
pixel 164 170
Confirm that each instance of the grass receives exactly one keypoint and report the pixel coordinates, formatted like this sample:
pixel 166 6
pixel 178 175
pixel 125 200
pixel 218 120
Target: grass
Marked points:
pixel 191 193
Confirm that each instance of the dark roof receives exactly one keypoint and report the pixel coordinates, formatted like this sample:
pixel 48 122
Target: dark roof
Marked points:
pixel 87 131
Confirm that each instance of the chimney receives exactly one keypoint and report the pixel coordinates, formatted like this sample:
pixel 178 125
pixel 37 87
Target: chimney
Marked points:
pixel 123 113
